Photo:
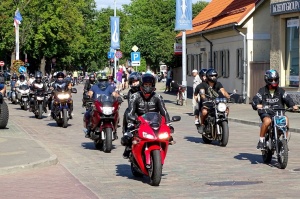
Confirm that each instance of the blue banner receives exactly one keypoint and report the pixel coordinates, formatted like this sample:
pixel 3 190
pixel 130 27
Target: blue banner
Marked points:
pixel 115 32
pixel 183 15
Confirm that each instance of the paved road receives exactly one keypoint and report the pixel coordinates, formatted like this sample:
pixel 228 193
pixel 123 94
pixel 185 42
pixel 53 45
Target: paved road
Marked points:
pixel 192 169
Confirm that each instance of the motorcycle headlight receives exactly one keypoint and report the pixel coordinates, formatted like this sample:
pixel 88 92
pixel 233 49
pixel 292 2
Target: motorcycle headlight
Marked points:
pixel 163 135
pixel 40 98
pixel 221 107
pixel 148 136
pixel 107 110
pixel 63 96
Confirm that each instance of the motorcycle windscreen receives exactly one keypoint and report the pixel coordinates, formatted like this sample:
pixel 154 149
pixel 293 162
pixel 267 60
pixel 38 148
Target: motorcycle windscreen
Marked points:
pixel 61 87
pixel 153 119
pixel 106 100
pixel 24 87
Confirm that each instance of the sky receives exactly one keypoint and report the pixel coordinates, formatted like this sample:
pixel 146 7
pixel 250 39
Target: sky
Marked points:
pixel 110 3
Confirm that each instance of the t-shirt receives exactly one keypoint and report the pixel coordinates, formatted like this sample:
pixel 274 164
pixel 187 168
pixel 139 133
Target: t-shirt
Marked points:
pixel 119 76
pixel 97 90
pixel 211 91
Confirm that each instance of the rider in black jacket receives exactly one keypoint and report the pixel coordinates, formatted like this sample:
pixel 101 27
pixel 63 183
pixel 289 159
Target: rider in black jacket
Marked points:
pixel 270 95
pixel 142 102
pixel 134 83
pixel 87 86
pixel 37 85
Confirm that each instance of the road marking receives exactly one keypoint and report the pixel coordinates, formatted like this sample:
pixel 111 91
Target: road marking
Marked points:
pixel 3 140
pixel 12 153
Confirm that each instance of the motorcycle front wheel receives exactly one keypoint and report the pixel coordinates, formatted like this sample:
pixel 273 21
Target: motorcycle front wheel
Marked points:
pixel 225 133
pixel 40 111
pixel 65 118
pixel 283 153
pixel 25 106
pixel 155 170
pixel 4 114
pixel 107 143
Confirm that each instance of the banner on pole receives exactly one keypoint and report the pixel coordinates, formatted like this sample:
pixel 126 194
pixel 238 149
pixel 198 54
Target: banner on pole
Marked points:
pixel 115 32
pixel 183 15
pixel 18 18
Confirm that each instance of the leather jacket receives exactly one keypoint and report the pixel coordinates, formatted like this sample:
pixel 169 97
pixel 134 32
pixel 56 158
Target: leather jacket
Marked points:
pixel 138 106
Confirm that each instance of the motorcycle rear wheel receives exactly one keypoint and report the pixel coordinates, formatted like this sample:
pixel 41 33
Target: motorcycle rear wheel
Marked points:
pixel 134 171
pixel 155 170
pixel 25 106
pixel 283 154
pixel 225 133
pixel 267 156
pixel 107 143
pixel 4 115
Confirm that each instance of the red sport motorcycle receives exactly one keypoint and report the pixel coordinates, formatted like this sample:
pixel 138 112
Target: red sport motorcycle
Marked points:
pixel 149 146
pixel 104 121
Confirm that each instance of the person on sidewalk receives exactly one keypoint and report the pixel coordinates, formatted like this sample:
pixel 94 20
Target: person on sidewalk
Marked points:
pixel 195 107
pixel 142 102
pixel 211 88
pixel 202 75
pixel 270 95
pixel 169 79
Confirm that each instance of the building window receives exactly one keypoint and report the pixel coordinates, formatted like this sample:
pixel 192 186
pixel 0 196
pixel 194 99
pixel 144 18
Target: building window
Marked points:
pixel 216 62
pixel 224 63
pixel 239 64
pixel 292 52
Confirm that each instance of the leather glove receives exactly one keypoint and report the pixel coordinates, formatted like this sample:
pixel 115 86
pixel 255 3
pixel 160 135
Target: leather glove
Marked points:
pixel 130 126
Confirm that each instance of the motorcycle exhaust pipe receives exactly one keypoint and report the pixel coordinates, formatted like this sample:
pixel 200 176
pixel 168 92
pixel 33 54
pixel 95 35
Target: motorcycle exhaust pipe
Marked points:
pixel 102 135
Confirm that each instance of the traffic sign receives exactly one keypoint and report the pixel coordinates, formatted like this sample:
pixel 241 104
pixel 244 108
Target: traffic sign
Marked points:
pixel 2 63
pixel 118 54
pixel 134 48
pixel 135 58
pixel 22 69
pixel 110 55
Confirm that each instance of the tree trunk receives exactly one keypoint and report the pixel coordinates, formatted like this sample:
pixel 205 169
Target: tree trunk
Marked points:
pixel 43 65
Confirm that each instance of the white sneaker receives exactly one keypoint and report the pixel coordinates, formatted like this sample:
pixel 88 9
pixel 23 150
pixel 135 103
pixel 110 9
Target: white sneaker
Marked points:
pixel 197 122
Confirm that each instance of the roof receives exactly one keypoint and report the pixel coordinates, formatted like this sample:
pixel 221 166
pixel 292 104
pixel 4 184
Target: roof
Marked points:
pixel 220 13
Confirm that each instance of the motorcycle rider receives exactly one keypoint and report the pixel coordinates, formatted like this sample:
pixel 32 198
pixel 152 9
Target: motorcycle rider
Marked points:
pixel 31 79
pixel 13 81
pixel 212 88
pixel 59 81
pixel 101 88
pixel 271 94
pixel 134 83
pixel 141 102
pixel 202 75
pixel 19 83
pixel 37 84
pixel 87 86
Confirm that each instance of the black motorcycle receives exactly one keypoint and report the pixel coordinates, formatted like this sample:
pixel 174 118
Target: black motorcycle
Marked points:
pixel 39 104
pixel 216 123
pixel 61 101
pixel 276 137
pixel 4 113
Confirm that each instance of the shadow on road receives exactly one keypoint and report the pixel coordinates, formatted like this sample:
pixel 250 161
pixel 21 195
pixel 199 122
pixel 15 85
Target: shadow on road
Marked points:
pixel 194 139
pixel 91 146
pixel 54 124
pixel 252 158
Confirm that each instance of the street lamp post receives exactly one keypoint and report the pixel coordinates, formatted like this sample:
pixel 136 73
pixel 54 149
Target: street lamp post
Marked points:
pixel 115 58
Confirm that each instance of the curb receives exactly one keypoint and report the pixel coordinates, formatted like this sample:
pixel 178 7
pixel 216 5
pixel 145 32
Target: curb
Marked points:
pixel 52 160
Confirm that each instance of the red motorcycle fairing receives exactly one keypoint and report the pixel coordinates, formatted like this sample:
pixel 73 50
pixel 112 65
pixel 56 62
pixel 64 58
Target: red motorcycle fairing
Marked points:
pixel 147 140
pixel 107 121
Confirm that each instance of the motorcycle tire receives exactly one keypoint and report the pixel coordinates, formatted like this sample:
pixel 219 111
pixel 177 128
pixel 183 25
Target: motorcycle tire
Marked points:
pixel 107 143
pixel 225 134
pixel 65 118
pixel 155 171
pixel 40 111
pixel 267 156
pixel 98 145
pixel 283 154
pixel 134 171
pixel 25 106
pixel 4 115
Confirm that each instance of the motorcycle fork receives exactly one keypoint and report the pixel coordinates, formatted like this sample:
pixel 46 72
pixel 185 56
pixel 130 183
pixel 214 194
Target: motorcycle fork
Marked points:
pixel 148 153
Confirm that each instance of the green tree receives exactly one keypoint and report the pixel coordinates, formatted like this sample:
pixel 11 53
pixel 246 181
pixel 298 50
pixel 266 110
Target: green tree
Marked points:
pixel 198 7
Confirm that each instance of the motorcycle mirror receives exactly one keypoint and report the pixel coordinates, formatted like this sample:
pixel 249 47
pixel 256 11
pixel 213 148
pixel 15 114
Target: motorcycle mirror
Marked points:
pixel 74 90
pixel 176 118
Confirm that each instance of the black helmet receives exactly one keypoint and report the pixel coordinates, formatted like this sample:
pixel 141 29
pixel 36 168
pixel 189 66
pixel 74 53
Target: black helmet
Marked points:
pixel 92 76
pixel 147 90
pixel 102 77
pixel 38 76
pixel 22 78
pixel 272 78
pixel 202 72
pixel 134 76
pixel 212 75
pixel 14 76
pixel 60 75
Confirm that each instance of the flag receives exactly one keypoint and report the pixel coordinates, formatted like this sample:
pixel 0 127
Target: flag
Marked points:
pixel 183 15
pixel 18 18
pixel 115 32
